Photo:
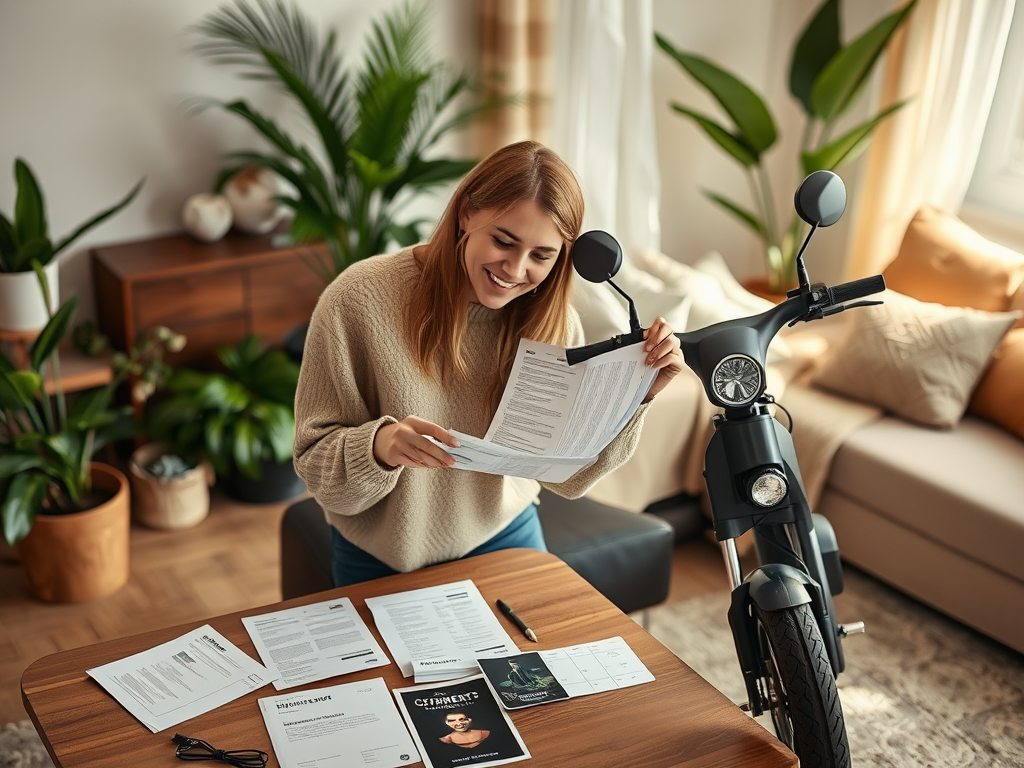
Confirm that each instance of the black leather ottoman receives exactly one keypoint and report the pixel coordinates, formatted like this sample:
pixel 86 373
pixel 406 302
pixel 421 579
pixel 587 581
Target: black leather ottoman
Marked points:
pixel 626 557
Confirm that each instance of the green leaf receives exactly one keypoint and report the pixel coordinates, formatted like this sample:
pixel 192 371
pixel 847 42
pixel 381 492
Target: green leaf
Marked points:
pixel 8 248
pixel 422 174
pixel 748 111
pixel 732 144
pixel 842 78
pixel 407 234
pixel 18 389
pixel 29 209
pixel 371 173
pixel 279 425
pixel 275 377
pixel 247 449
pixel 23 502
pixel 215 437
pixel 817 45
pixel 97 219
pixel 847 147
pixel 52 334
pixel 13 464
pixel 220 393
pixel 739 212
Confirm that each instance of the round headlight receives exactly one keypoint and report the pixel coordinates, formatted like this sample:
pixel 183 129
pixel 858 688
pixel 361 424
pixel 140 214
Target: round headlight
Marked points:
pixel 768 488
pixel 736 380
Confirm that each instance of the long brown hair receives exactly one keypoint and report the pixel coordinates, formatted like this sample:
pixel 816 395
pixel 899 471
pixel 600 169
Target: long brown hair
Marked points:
pixel 437 313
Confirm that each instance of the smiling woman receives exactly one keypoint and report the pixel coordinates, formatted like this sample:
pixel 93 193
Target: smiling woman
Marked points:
pixel 404 347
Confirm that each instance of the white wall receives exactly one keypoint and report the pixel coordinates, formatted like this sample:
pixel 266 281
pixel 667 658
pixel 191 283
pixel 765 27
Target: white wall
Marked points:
pixel 93 93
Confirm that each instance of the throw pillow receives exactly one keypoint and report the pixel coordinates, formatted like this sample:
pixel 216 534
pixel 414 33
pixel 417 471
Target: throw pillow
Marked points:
pixel 943 260
pixel 918 360
pixel 998 397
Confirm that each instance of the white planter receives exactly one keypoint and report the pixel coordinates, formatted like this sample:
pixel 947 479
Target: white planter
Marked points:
pixel 21 299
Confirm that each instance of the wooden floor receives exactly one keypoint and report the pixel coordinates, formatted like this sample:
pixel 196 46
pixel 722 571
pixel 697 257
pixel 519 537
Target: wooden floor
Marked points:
pixel 227 563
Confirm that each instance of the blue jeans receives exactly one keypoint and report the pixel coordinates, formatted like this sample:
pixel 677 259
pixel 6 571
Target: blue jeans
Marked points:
pixel 351 565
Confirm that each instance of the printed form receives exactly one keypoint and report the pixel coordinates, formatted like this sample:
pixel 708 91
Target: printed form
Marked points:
pixel 554 419
pixel 177 680
pixel 437 633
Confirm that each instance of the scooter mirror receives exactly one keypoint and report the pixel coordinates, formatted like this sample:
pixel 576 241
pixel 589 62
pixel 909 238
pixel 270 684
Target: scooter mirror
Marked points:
pixel 820 199
pixel 597 256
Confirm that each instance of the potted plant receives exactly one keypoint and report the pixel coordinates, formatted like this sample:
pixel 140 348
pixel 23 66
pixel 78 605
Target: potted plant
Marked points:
pixel 241 419
pixel 25 247
pixel 168 492
pixel 825 77
pixel 376 124
pixel 68 514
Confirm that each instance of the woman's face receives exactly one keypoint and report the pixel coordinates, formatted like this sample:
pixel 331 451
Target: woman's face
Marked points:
pixel 508 254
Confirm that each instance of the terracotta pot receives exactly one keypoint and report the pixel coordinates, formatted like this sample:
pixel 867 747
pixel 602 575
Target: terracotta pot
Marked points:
pixel 21 299
pixel 170 504
pixel 81 556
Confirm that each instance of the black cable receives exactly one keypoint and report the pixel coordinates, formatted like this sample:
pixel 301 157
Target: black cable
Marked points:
pixel 196 749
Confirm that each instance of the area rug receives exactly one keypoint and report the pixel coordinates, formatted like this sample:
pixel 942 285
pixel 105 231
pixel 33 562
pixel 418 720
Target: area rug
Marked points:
pixel 919 689
pixel 20 747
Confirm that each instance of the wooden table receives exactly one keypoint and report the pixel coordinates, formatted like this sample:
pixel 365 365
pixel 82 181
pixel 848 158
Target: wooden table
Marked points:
pixel 678 720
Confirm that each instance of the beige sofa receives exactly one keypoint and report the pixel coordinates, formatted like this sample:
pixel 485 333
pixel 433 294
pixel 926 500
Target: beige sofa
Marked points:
pixel 909 428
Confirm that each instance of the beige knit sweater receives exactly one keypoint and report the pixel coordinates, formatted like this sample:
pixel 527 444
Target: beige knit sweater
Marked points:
pixel 358 373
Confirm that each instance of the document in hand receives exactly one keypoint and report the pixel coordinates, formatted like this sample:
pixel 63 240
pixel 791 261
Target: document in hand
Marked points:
pixel 554 419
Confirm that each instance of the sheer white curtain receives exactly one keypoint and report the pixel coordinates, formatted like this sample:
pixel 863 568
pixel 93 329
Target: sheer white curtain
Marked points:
pixel 603 116
pixel 947 63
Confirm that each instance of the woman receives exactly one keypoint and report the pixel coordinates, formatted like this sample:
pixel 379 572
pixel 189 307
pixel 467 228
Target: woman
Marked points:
pixel 405 346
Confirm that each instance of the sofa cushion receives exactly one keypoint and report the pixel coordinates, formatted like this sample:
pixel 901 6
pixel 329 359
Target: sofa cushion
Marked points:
pixel 998 396
pixel 942 259
pixel 963 488
pixel 918 360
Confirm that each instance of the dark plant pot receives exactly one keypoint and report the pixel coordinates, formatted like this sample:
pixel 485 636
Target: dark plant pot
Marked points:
pixel 295 341
pixel 277 482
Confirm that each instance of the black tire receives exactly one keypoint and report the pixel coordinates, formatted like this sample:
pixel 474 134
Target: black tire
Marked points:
pixel 800 688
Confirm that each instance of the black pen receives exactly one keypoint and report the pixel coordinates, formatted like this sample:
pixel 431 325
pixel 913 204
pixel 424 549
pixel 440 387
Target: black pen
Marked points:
pixel 504 608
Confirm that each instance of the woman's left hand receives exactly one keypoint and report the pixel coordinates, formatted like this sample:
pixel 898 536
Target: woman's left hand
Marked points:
pixel 663 353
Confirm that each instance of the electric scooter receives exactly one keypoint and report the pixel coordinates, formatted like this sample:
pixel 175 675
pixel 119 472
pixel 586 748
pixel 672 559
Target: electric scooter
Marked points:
pixel 787 637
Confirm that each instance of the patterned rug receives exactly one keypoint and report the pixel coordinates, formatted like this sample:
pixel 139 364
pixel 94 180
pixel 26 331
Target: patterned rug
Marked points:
pixel 919 689
pixel 20 747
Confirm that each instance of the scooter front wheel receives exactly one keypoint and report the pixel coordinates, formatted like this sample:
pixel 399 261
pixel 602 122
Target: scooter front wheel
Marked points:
pixel 801 689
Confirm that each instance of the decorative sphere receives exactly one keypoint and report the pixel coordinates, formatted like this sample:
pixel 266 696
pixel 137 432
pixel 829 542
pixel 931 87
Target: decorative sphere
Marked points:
pixel 207 217
pixel 252 192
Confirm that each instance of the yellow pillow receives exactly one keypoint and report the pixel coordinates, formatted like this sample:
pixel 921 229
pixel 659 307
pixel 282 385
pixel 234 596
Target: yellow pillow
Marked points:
pixel 999 395
pixel 918 360
pixel 945 261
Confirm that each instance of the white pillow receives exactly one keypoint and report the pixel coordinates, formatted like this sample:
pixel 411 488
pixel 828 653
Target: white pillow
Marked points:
pixel 605 313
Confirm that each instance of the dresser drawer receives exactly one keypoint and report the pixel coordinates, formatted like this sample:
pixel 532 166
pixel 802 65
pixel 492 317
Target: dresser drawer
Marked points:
pixel 188 300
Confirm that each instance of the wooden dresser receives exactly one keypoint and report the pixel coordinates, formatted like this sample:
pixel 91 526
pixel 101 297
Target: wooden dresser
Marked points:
pixel 213 293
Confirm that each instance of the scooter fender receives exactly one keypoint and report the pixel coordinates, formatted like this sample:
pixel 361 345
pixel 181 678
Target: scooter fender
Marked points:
pixel 771 587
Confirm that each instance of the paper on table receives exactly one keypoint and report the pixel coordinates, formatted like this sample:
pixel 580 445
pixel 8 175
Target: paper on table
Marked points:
pixel 443 628
pixel 538 677
pixel 554 419
pixel 314 642
pixel 182 678
pixel 344 726
pixel 460 723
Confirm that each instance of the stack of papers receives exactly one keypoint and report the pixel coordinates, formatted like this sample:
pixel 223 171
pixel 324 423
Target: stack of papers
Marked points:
pixel 438 633
pixel 554 419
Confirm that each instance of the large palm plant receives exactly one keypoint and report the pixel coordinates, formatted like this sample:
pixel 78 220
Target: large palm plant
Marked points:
pixel 825 77
pixel 375 124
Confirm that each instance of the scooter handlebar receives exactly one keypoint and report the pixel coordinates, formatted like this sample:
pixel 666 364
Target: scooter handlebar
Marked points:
pixel 857 288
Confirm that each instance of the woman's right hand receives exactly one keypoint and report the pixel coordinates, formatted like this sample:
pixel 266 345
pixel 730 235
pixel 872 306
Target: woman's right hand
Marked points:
pixel 405 443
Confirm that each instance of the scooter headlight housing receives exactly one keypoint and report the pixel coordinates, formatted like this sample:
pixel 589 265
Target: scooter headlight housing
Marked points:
pixel 767 487
pixel 737 380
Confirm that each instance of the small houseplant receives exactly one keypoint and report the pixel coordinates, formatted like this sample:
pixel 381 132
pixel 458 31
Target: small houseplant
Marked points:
pixel 241 419
pixel 67 513
pixel 25 246
pixel 825 77
pixel 376 124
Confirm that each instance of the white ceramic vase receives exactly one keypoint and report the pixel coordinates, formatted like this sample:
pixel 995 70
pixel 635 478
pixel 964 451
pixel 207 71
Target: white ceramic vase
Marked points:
pixel 207 217
pixel 22 308
pixel 252 192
